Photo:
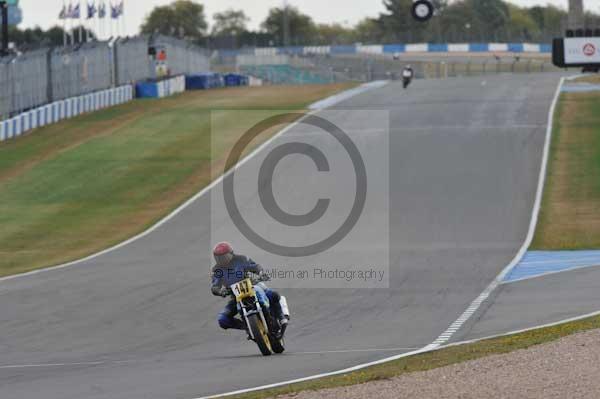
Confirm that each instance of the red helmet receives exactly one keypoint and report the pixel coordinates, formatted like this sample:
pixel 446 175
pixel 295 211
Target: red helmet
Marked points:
pixel 223 253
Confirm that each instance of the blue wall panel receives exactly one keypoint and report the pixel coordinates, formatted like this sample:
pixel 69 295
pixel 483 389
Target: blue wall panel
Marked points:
pixel 437 48
pixel 394 48
pixel 515 47
pixel 478 47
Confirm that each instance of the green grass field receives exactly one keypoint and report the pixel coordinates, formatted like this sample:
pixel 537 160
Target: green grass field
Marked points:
pixel 76 187
pixel 570 213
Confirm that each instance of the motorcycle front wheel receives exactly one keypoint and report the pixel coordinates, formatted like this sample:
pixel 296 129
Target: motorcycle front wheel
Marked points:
pixel 277 345
pixel 260 334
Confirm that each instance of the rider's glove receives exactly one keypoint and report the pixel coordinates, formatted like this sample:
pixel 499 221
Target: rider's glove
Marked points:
pixel 264 277
pixel 224 291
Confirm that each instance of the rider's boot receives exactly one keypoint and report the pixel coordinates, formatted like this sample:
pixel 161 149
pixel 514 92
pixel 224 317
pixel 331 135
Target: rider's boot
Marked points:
pixel 283 323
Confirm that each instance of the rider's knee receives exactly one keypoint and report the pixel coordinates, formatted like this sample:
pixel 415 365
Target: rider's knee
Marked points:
pixel 224 321
pixel 274 296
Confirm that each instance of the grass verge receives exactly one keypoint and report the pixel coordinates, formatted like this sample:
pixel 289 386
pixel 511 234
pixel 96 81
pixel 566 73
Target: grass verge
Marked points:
pixel 570 215
pixel 440 358
pixel 76 187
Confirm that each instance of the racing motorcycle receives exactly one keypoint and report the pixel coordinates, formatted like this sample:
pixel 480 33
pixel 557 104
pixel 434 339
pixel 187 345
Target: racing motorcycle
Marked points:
pixel 261 326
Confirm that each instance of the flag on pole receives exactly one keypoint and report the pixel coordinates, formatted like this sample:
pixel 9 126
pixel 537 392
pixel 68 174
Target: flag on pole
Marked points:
pixel 115 11
pixel 63 13
pixel 91 10
pixel 76 13
pixel 102 10
pixel 69 13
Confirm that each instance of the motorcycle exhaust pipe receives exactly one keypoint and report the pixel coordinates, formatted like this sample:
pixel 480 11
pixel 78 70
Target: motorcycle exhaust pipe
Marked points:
pixel 284 306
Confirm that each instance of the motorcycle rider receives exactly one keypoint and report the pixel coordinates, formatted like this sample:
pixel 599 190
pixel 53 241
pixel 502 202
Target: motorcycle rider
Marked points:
pixel 407 75
pixel 231 268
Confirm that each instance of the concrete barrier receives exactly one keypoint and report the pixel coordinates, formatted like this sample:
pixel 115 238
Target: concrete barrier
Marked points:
pixel 17 126
pixel 10 128
pixel 71 107
pixel 3 130
pixel 34 119
pixel 25 121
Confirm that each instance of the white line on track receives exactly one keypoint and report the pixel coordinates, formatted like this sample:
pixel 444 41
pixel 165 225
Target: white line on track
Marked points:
pixel 41 365
pixel 103 362
pixel 466 127
pixel 354 350
pixel 474 306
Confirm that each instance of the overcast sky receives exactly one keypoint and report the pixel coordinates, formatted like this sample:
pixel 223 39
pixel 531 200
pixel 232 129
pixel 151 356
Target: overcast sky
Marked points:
pixel 45 12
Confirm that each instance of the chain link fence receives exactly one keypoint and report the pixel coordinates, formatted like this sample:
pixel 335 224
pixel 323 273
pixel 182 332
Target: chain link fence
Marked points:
pixel 40 77
pixel 76 71
pixel 184 57
pixel 132 62
pixel 23 82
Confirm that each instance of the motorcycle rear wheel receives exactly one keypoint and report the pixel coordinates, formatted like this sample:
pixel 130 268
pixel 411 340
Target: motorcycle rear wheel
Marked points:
pixel 261 336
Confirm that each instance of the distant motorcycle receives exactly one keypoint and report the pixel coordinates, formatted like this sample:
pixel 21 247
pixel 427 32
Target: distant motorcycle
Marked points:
pixel 261 326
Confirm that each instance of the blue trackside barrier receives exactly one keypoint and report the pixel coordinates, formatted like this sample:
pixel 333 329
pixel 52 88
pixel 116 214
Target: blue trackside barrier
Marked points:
pixel 161 88
pixel 515 47
pixel 394 48
pixel 545 48
pixel 146 90
pixel 479 47
pixel 437 48
pixel 204 81
pixel 234 79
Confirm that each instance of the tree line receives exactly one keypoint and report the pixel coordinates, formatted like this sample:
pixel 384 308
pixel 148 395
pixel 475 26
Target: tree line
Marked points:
pixel 455 21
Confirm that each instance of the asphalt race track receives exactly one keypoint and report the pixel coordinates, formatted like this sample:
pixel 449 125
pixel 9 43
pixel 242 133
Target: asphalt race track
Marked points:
pixel 140 322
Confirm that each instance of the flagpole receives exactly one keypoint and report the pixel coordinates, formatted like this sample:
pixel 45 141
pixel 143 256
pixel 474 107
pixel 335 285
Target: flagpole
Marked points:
pixel 98 25
pixel 70 23
pixel 118 21
pixel 64 23
pixel 100 21
pixel 123 18
pixel 80 24
pixel 110 18
pixel 115 21
pixel 88 22
pixel 103 20
pixel 71 26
